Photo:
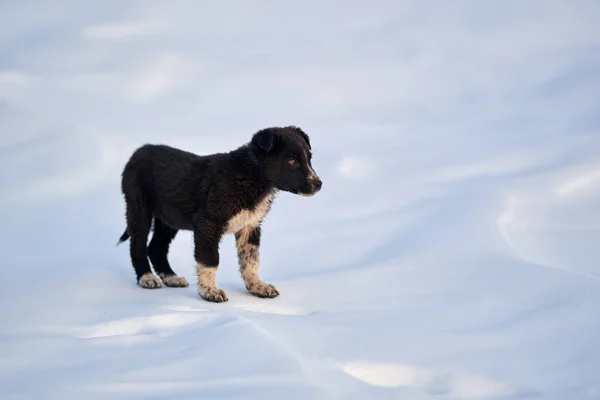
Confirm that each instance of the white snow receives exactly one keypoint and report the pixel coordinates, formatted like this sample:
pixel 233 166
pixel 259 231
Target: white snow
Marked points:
pixel 454 252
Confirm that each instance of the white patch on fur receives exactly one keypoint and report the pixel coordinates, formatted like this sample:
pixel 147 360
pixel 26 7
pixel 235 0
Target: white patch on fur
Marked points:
pixel 207 284
pixel 207 276
pixel 249 262
pixel 149 281
pixel 174 281
pixel 312 175
pixel 248 259
pixel 250 218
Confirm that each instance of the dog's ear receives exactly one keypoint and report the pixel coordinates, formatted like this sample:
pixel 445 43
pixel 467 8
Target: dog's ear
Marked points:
pixel 302 133
pixel 263 140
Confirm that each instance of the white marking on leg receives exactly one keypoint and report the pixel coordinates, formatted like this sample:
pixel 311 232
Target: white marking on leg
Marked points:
pixel 249 262
pixel 207 284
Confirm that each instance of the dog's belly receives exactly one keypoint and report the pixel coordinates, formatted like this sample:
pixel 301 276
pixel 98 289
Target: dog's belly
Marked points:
pixel 174 218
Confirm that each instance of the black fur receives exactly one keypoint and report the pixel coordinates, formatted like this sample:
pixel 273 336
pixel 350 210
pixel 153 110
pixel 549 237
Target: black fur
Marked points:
pixel 179 190
pixel 254 238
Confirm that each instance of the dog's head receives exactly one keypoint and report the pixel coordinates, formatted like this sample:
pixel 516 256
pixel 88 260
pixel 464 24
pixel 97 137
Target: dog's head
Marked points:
pixel 286 155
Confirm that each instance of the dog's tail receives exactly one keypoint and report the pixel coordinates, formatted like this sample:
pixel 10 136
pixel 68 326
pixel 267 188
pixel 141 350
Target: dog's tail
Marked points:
pixel 123 237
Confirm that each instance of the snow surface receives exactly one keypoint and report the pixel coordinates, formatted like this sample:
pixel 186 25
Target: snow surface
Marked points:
pixel 452 254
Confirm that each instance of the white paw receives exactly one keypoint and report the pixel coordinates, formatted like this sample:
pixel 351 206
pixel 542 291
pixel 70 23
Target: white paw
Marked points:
pixel 174 281
pixel 149 281
pixel 212 294
pixel 264 290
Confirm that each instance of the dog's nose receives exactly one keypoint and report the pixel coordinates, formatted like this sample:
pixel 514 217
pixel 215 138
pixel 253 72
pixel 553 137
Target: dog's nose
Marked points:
pixel 318 184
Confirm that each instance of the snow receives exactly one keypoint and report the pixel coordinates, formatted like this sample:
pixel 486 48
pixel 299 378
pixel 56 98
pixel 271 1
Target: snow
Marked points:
pixel 452 254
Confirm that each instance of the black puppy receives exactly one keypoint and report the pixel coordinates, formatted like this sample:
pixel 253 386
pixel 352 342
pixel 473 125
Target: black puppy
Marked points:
pixel 211 195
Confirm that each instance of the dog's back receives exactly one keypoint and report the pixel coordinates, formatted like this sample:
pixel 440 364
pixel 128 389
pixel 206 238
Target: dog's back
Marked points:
pixel 152 162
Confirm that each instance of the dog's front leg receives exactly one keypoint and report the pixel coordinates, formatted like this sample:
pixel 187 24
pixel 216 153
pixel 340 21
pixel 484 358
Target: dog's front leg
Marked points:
pixel 247 242
pixel 207 236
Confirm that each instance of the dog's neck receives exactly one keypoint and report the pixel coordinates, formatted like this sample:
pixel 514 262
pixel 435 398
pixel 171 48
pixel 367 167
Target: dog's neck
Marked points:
pixel 248 165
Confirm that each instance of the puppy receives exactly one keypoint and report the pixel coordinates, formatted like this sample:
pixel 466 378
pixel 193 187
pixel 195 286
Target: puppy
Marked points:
pixel 211 195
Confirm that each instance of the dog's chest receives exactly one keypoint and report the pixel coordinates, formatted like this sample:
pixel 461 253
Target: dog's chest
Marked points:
pixel 249 218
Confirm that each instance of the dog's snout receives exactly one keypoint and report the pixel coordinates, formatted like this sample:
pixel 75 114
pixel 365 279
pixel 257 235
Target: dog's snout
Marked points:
pixel 317 183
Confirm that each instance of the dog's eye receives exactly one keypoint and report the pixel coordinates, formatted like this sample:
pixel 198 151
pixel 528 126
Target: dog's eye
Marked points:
pixel 291 161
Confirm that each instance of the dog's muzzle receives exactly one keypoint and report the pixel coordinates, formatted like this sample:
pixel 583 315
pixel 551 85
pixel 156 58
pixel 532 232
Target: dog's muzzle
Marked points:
pixel 315 184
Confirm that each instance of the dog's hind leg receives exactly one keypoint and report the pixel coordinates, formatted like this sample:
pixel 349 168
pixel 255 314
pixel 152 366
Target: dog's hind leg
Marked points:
pixel 158 250
pixel 139 221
